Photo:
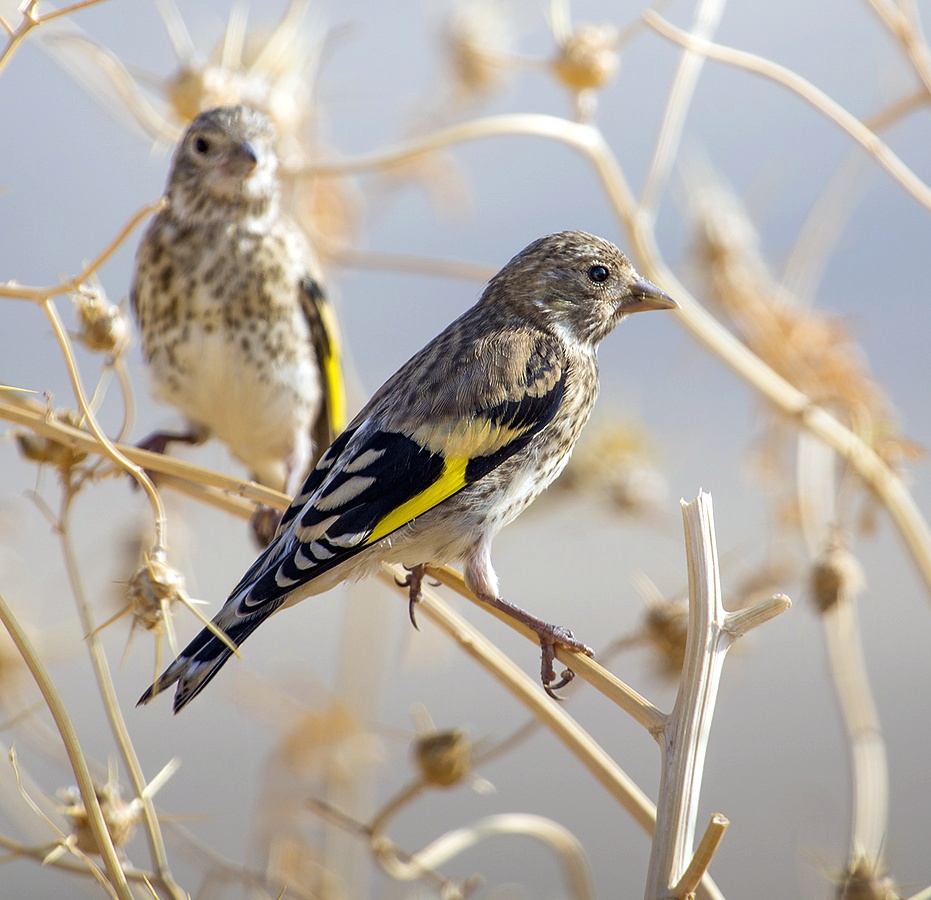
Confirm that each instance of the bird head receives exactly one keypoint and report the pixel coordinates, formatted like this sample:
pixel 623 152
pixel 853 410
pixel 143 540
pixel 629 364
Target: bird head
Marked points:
pixel 226 156
pixel 575 284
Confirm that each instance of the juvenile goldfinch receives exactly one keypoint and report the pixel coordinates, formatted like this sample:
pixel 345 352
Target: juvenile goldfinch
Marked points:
pixel 449 450
pixel 236 330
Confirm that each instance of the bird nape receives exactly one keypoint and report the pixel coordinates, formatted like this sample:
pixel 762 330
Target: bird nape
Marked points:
pixel 479 422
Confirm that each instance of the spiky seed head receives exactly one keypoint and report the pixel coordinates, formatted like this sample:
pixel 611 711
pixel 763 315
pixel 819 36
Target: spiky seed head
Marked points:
pixel 478 40
pixel 588 57
pixel 226 156
pixel 120 817
pixel 573 283
pixel 46 450
pixel 444 757
pixel 102 326
pixel 154 587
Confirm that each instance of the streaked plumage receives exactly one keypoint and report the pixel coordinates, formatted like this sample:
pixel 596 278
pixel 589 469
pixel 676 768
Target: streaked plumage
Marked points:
pixel 236 330
pixel 450 449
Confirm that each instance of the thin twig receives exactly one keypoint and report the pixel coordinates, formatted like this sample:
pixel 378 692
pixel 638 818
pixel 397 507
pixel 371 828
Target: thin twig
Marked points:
pixel 73 748
pixel 111 706
pixel 107 446
pixel 831 109
pixel 705 23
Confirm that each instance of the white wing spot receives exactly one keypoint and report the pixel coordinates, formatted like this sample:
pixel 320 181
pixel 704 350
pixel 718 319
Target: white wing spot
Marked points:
pixel 347 540
pixel 364 460
pixel 320 552
pixel 308 533
pixel 282 580
pixel 302 560
pixel 342 495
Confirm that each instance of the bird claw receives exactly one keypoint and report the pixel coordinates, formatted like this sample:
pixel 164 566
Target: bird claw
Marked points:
pixel 414 581
pixel 562 637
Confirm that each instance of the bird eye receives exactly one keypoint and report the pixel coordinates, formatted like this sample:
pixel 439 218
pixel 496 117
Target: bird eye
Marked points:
pixel 201 145
pixel 598 274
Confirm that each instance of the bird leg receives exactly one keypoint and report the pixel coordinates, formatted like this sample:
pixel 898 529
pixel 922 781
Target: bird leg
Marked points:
pixel 158 441
pixel 550 637
pixel 414 581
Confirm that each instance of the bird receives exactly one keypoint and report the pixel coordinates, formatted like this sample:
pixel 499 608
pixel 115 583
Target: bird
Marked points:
pixel 236 329
pixel 448 451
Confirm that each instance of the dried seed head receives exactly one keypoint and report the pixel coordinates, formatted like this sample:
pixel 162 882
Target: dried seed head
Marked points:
pixel 836 576
pixel 46 450
pixel 153 589
pixel 588 57
pixel 477 37
pixel 120 817
pixel 810 348
pixel 666 629
pixel 102 326
pixel 864 881
pixel 444 757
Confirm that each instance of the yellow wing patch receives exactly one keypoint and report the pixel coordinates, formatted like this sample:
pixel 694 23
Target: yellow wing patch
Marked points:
pixel 451 480
pixel 333 371
pixel 467 438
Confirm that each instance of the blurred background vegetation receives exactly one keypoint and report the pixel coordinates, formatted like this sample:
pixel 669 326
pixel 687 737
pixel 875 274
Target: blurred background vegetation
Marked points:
pixel 810 249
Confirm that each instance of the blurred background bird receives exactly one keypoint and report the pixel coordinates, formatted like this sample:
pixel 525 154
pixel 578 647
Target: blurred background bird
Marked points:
pixel 237 333
pixel 449 450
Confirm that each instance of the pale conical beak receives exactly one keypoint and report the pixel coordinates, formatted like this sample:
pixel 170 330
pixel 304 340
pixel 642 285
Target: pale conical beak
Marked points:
pixel 645 295
pixel 243 160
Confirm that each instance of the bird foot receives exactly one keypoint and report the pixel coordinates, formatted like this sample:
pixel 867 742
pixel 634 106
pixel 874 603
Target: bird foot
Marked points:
pixel 550 637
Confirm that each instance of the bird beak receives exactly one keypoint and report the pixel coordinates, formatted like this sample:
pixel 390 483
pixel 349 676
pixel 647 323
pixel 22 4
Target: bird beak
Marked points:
pixel 646 295
pixel 246 158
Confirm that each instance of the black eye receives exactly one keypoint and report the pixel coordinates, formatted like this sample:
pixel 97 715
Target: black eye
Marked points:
pixel 201 144
pixel 598 274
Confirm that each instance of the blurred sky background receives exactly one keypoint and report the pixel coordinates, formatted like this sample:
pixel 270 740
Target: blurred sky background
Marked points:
pixel 72 175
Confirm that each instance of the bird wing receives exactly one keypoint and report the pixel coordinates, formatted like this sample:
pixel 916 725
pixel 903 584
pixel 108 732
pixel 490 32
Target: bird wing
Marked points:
pixel 391 466
pixel 411 448
pixel 324 334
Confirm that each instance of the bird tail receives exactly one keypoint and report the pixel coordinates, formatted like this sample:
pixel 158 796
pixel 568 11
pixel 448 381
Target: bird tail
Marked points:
pixel 200 661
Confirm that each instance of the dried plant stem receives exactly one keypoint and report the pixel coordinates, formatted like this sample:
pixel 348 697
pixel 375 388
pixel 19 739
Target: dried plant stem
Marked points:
pixel 528 692
pixel 43 297
pixel 32 415
pixel 30 19
pixel 837 600
pixel 707 16
pixel 40 854
pixel 106 445
pixel 902 22
pixel 636 706
pixel 73 748
pixel 566 846
pixel 111 706
pixel 16 291
pixel 704 853
pixel 874 145
pixel 684 740
pixel 870 772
